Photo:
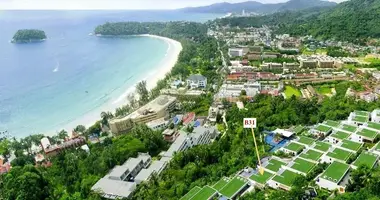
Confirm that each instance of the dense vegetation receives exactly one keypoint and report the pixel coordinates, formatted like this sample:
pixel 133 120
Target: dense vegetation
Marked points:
pixel 29 35
pixel 354 21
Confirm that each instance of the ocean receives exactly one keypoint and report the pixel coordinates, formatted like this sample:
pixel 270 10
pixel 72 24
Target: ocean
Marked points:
pixel 45 86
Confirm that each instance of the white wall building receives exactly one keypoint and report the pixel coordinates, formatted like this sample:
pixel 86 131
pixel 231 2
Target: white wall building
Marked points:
pixel 195 81
pixel 235 52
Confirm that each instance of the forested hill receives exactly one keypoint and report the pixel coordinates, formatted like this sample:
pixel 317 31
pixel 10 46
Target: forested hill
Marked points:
pixel 355 20
pixel 175 30
pixel 28 35
pixel 260 8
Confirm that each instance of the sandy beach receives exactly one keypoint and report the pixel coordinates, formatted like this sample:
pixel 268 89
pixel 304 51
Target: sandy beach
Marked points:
pixel 152 77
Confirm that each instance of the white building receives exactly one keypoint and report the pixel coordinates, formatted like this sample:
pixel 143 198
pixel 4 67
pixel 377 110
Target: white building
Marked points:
pixel 375 116
pixel 235 52
pixel 156 167
pixel 158 124
pixel 195 81
pixel 333 177
pixel 117 184
pixel 368 97
pixel 200 135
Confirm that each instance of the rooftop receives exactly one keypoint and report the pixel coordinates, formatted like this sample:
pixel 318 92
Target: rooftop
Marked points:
pixel 361 113
pixel 322 146
pixel 196 77
pixel 360 119
pixel 204 194
pixel 339 154
pixel 220 184
pixel 154 106
pixel 114 187
pixel 274 165
pixel 233 187
pixel 340 135
pixel 286 178
pixel 323 128
pixel 302 165
pixel 298 129
pixel 332 123
pixel 176 144
pixel 294 147
pixel 155 167
pixel 118 171
pixel 366 159
pixel 262 179
pixel 191 193
pixel 354 146
pixel 374 125
pixel 283 132
pixel 311 155
pixel 306 140
pixel 335 172
pixel 367 133
pixel 349 128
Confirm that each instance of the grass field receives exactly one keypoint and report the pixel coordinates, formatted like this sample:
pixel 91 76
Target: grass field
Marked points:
pixel 311 155
pixel 306 140
pixel 366 159
pixel 220 184
pixel 303 165
pixel 349 128
pixel 335 172
pixel 294 147
pixel 324 90
pixel 191 193
pixel 290 91
pixel 274 165
pixel 232 187
pixel 204 194
pixel 261 178
pixel 322 146
pixel 323 128
pixel 354 146
pixel 340 135
pixel 367 133
pixel 286 178
pixel 374 125
pixel 339 154
pixel 332 123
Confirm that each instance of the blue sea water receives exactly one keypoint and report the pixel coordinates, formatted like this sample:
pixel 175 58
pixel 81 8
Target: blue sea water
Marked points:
pixel 45 86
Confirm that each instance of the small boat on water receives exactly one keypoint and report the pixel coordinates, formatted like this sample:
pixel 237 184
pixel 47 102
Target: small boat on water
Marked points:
pixel 90 34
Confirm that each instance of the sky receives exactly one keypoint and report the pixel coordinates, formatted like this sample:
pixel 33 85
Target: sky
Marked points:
pixel 112 4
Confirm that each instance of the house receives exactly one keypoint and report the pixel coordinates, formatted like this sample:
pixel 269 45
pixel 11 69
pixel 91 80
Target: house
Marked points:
pixel 176 84
pixel 196 81
pixel 4 166
pixel 322 130
pixel 333 176
pixel 52 150
pixel 364 135
pixel 309 64
pixel 170 135
pixel 213 112
pixel 358 117
pixel 326 63
pixel 368 96
pixel 156 167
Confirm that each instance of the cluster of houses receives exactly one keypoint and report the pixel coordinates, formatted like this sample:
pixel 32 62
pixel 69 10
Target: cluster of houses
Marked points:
pixel 122 180
pixel 338 144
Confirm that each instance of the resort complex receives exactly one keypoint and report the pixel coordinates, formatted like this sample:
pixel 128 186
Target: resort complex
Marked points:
pixel 337 144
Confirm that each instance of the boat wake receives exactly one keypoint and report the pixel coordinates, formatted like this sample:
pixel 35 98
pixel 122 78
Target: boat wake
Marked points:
pixel 56 69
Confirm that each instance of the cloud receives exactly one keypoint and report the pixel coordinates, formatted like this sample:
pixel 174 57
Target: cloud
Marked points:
pixel 109 4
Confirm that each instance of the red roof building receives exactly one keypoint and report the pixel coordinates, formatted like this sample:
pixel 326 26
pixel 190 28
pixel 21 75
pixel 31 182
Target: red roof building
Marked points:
pixel 188 118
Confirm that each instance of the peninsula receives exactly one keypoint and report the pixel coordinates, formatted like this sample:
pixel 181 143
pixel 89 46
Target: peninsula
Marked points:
pixel 28 35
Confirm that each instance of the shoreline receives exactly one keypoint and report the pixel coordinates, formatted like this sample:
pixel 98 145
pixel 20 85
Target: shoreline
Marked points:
pixel 159 73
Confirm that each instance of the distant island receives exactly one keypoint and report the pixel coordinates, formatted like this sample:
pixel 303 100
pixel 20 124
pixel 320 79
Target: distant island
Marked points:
pixel 28 35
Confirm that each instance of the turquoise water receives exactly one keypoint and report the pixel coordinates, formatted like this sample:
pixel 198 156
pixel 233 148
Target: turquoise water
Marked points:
pixel 45 86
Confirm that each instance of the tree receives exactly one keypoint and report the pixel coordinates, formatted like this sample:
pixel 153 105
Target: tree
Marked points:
pixel 24 183
pixel 105 117
pixel 132 100
pixel 143 93
pixel 62 135
pixel 80 129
